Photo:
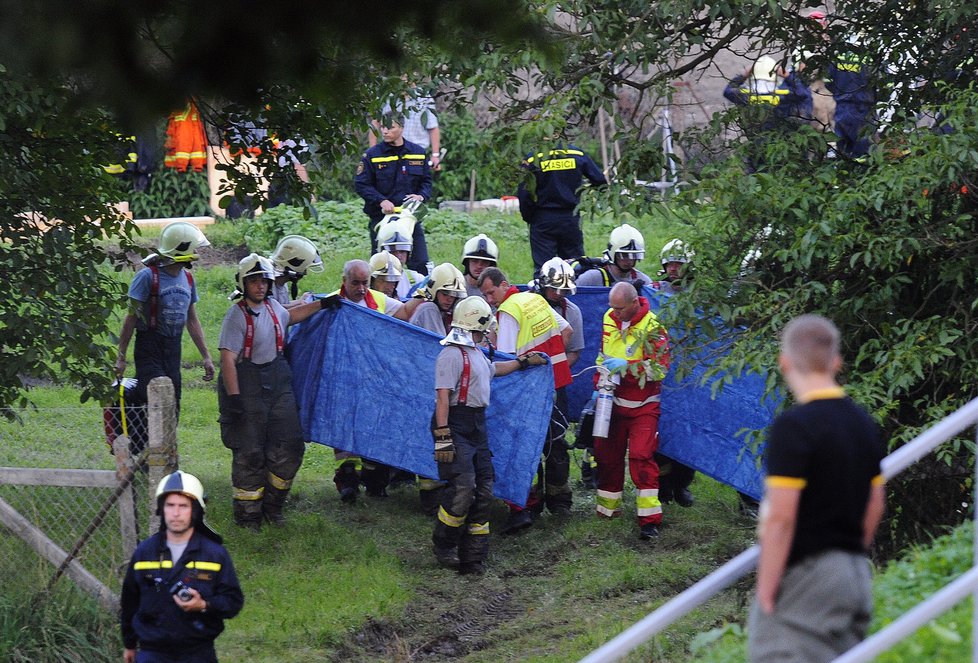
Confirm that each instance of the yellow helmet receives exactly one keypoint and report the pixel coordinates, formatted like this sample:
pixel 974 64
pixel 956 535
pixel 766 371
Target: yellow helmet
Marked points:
pixel 251 265
pixel 473 314
pixel 446 277
pixel 179 240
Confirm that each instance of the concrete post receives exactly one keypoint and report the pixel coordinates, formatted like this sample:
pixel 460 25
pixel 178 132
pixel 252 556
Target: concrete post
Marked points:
pixel 161 450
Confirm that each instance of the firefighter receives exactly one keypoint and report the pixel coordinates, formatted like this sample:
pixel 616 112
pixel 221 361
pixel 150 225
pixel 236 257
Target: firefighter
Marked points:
pixel 258 413
pixel 162 300
pixel 527 323
pixel 462 385
pixel 351 470
pixel 634 347
pixel 294 257
pixel 445 287
pixel 180 585
pixel 385 273
pixel 391 173
pixel 851 78
pixel 395 237
pixel 675 478
pixel 626 247
pixel 555 283
pixel 478 253
pixel 549 207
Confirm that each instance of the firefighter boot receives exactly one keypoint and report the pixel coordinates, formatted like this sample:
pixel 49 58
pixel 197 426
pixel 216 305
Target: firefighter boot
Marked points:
pixel 517 522
pixel 276 490
pixel 347 481
pixel 248 511
pixel 473 549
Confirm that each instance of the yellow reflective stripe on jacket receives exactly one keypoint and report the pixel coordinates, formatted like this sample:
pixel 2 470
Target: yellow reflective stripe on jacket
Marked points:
pixel 535 318
pixel 555 153
pixel 795 483
pixel 383 159
pixel 147 565
pixel 204 566
pixel 413 157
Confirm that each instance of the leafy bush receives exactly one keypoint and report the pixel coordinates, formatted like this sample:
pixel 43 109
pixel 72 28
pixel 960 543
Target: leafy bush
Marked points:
pixel 172 193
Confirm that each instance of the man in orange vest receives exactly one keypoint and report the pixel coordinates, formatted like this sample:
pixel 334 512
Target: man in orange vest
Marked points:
pixel 635 347
pixel 528 323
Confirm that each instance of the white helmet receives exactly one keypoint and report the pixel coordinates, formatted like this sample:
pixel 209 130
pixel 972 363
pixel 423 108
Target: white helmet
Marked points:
pixel 183 483
pixel 626 240
pixel 765 69
pixel 482 247
pixel 558 274
pixel 386 265
pixel 296 255
pixel 180 239
pixel 251 265
pixel 445 277
pixel 677 250
pixel 473 314
pixel 395 236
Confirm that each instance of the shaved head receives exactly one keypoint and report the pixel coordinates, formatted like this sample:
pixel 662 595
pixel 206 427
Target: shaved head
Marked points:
pixel 811 343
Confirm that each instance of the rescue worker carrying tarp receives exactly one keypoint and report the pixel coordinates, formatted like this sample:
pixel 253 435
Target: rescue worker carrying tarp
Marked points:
pixel 527 323
pixel 395 237
pixel 162 300
pixel 634 346
pixel 294 257
pixel 675 478
pixel 479 253
pixel 626 247
pixel 351 470
pixel 462 388
pixel 258 413
pixel 444 289
pixel 385 272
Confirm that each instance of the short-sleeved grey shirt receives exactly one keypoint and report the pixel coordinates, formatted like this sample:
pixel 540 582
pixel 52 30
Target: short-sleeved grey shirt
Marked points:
pixel 576 321
pixel 233 330
pixel 448 374
pixel 428 316
pixel 594 277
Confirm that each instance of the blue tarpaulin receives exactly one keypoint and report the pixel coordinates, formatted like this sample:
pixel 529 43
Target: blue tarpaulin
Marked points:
pixel 365 383
pixel 695 428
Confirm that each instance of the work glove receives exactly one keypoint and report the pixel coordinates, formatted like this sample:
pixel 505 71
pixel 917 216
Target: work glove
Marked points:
pixel 333 301
pixel 235 405
pixel 532 359
pixel 614 365
pixel 444 446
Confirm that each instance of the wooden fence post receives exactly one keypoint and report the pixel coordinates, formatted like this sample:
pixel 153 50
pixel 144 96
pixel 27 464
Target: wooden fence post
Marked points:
pixel 124 466
pixel 161 417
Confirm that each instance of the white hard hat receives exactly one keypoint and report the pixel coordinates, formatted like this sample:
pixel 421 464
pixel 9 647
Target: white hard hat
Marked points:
pixel 765 69
pixel 252 265
pixel 385 264
pixel 180 239
pixel 473 314
pixel 558 274
pixel 627 240
pixel 297 255
pixel 446 277
pixel 677 250
pixel 395 236
pixel 480 246
pixel 183 483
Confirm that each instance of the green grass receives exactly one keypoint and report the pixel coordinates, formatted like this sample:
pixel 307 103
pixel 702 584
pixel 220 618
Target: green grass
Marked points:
pixel 359 583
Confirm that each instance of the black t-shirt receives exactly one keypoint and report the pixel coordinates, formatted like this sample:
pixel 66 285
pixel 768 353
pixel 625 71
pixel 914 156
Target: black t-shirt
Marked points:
pixel 831 449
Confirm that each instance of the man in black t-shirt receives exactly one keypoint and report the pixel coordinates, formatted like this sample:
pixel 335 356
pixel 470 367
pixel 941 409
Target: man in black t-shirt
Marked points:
pixel 823 502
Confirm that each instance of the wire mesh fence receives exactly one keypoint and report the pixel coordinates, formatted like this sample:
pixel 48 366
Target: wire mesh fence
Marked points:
pixel 60 489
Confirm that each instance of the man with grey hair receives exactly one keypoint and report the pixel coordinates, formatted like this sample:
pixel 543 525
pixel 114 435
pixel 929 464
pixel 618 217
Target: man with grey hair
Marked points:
pixel 351 470
pixel 823 501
